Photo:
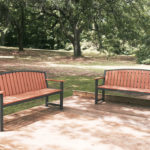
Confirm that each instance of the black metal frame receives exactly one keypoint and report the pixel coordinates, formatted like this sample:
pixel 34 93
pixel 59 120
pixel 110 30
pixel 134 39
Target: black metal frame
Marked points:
pixel 1 112
pixel 27 100
pixel 22 71
pixel 103 90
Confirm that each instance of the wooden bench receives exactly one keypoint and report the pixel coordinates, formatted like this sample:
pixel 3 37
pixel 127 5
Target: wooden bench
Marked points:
pixel 124 80
pixel 22 86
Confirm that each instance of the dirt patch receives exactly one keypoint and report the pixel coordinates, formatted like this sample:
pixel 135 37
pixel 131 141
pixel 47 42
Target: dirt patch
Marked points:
pixel 61 63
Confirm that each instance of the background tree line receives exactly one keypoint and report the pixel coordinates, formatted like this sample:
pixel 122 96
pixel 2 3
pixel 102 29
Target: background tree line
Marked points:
pixel 117 26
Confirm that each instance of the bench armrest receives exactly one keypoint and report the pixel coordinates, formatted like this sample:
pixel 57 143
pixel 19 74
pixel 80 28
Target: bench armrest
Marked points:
pixel 55 80
pixel 60 81
pixel 99 78
pixel 96 81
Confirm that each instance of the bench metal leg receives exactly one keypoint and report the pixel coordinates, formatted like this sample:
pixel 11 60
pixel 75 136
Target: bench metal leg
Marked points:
pixel 61 95
pixel 1 112
pixel 46 101
pixel 61 100
pixel 103 95
pixel 96 96
pixel 96 91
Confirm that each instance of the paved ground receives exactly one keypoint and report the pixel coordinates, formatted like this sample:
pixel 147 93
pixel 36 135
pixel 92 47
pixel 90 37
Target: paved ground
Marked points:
pixel 80 126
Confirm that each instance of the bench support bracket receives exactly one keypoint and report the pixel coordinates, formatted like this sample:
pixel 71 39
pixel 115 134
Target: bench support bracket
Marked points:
pixel 46 101
pixel 96 93
pixel 61 94
pixel 1 112
pixel 61 97
pixel 103 95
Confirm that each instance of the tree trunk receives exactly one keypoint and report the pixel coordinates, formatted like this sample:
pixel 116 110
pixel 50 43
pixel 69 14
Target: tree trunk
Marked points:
pixel 21 28
pixel 100 45
pixel 76 44
pixel 2 42
pixel 20 41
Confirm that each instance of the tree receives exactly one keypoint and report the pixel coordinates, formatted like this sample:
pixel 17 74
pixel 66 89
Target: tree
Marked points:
pixel 118 22
pixel 3 22
pixel 111 24
pixel 143 53
pixel 41 31
pixel 15 14
pixel 72 16
pixel 27 26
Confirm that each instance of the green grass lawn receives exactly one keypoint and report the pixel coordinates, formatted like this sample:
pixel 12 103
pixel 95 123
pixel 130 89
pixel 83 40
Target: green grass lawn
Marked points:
pixel 76 78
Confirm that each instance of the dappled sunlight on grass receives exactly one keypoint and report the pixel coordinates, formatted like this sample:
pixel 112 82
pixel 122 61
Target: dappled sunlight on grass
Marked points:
pixel 84 79
pixel 63 56
pixel 75 86
pixel 10 57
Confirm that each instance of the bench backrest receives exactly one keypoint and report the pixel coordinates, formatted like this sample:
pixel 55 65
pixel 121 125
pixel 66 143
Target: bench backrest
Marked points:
pixel 13 83
pixel 128 78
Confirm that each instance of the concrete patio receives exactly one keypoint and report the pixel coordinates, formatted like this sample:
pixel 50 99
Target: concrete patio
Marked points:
pixel 82 125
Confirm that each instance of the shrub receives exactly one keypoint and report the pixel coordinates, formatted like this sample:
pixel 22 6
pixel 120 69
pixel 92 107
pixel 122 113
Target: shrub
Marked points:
pixel 143 54
pixel 146 61
pixel 68 46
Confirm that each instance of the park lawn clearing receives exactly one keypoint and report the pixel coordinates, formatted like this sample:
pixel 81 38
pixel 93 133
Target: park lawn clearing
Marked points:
pixel 77 73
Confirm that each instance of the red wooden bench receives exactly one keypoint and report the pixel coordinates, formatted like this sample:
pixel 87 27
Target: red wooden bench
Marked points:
pixel 125 80
pixel 22 86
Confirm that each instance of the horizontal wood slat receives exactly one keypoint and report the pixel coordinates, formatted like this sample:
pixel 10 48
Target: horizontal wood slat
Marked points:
pixel 124 88
pixel 29 95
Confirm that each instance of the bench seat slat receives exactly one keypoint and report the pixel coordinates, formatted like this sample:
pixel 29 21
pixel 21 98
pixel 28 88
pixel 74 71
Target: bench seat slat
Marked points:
pixel 5 85
pixel 12 83
pixel 29 95
pixel 147 80
pixel 25 81
pixel 135 79
pixel 43 80
pixel 35 81
pixel 124 88
pixel 38 81
pixel 2 88
pixel 139 79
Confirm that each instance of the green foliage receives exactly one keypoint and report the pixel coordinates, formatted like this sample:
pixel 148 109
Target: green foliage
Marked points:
pixel 68 46
pixel 143 54
pixel 72 17
pixel 113 26
pixel 146 61
pixel 118 23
